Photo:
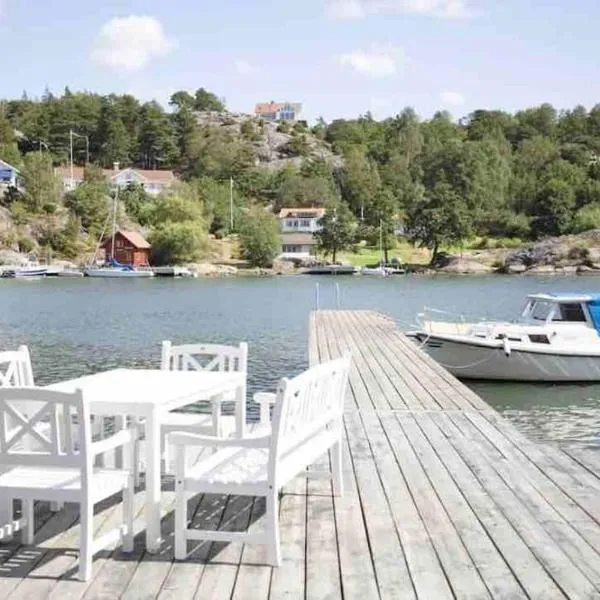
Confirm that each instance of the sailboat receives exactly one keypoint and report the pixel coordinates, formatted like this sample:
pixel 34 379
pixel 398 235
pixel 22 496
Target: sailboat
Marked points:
pixel 381 270
pixel 112 268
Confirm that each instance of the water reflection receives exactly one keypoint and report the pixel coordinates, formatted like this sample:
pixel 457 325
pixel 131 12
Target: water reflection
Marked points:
pixel 81 326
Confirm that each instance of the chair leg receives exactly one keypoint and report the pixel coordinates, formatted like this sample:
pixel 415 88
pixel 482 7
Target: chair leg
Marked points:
pixel 7 515
pixel 128 494
pixel 86 544
pixel 181 517
pixel 27 513
pixel 273 527
pixel 216 416
pixel 166 453
pixel 336 469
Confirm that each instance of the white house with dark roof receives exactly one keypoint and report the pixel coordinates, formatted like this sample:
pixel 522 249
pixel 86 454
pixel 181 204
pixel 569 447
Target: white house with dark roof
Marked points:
pixel 298 226
pixel 154 182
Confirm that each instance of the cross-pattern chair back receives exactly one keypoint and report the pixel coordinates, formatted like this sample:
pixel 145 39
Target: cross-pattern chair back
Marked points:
pixel 204 357
pixel 57 434
pixel 307 404
pixel 15 368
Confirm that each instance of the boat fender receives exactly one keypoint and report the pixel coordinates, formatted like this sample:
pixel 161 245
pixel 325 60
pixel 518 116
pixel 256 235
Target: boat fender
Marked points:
pixel 506 346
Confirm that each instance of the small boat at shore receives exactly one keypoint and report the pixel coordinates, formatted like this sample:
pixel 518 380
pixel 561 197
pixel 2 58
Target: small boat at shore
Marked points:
pixel 331 270
pixel 556 339
pixel 28 272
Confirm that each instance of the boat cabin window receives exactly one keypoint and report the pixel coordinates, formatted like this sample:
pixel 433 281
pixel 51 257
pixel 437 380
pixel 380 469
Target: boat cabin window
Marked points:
pixel 572 313
pixel 539 339
pixel 541 310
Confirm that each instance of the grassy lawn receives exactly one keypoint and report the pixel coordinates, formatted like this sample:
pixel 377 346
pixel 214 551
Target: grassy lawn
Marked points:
pixel 370 255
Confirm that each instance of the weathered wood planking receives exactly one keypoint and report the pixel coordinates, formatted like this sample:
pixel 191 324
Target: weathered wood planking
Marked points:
pixel 443 499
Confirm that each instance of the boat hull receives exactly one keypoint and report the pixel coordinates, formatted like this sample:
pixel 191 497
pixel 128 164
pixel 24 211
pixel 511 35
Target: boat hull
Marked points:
pixel 477 361
pixel 117 273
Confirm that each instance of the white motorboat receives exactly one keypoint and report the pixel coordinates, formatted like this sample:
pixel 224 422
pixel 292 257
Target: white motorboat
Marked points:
pixel 379 271
pixel 28 272
pixel 557 338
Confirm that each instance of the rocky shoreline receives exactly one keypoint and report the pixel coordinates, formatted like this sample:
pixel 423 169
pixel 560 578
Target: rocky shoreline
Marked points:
pixel 565 255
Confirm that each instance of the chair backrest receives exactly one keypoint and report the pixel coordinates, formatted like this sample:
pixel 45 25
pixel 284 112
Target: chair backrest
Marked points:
pixel 57 434
pixel 204 357
pixel 306 405
pixel 15 368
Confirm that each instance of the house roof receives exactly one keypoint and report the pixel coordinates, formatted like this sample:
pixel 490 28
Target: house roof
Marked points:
pixel 298 239
pixel 303 213
pixel 134 238
pixel 146 174
pixel 267 107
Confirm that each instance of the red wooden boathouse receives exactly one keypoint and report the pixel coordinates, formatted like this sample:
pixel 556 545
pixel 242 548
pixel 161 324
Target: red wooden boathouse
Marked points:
pixel 130 248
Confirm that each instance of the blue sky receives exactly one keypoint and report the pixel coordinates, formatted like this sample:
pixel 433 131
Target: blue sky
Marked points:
pixel 339 57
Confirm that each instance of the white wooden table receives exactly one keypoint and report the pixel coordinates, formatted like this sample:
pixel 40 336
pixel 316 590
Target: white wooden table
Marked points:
pixel 149 394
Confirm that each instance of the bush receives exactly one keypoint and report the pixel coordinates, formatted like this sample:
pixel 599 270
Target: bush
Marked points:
pixel 586 218
pixel 176 243
pixel 26 244
pixel 259 237
pixel 284 127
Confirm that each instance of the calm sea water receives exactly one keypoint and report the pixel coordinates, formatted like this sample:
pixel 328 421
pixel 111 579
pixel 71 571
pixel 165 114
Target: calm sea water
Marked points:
pixel 81 326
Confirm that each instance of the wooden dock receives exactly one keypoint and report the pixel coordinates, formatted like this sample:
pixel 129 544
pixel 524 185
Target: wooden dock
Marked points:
pixel 444 499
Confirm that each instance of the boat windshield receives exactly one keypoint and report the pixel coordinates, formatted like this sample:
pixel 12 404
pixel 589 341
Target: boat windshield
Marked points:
pixel 540 310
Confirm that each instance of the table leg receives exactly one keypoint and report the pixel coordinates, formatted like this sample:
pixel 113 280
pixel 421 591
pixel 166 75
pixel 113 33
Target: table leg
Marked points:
pixel 152 508
pixel 240 411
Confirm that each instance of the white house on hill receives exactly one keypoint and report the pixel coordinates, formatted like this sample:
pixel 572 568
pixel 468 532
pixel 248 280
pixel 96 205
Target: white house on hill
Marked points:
pixel 154 182
pixel 298 226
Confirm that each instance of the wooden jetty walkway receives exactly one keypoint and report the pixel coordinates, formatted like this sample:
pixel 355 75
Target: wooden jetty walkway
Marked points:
pixel 444 499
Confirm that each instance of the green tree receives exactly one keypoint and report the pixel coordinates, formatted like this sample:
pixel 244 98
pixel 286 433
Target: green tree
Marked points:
pixel 178 242
pixel 138 204
pixel 42 186
pixel 157 137
pixel 586 218
pixel 91 203
pixel 178 204
pixel 259 237
pixel 438 217
pixel 338 230
pixel 205 100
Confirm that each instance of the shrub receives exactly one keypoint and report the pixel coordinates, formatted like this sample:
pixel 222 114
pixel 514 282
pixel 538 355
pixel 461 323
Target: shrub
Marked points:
pixel 259 237
pixel 176 243
pixel 586 218
pixel 26 244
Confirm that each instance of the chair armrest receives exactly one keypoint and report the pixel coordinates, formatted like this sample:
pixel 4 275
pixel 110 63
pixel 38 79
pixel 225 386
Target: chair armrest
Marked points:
pixel 180 438
pixel 123 437
pixel 265 400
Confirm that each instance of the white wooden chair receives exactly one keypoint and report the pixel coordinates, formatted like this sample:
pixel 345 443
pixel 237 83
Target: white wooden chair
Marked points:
pixel 307 422
pixel 56 464
pixel 16 371
pixel 200 357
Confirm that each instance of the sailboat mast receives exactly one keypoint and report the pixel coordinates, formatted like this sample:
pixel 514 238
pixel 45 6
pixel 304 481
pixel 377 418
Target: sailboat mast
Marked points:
pixel 380 242
pixel 114 224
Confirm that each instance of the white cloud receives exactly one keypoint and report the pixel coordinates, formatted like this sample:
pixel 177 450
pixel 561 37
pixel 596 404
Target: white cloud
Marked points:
pixel 243 67
pixel 452 98
pixel 359 9
pixel 377 61
pixel 130 43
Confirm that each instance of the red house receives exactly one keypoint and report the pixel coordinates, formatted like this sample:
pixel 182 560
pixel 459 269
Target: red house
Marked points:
pixel 130 248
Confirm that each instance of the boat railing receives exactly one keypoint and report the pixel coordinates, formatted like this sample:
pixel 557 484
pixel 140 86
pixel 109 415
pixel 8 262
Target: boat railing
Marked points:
pixel 433 320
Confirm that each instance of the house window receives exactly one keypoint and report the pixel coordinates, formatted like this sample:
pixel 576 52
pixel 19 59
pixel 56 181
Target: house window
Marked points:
pixel 291 248
pixel 304 222
pixel 118 243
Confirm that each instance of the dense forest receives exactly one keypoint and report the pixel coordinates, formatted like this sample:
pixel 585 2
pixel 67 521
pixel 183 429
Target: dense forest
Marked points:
pixel 492 174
